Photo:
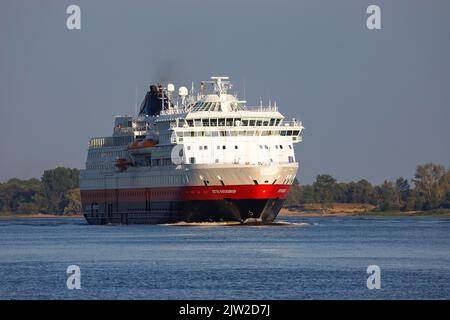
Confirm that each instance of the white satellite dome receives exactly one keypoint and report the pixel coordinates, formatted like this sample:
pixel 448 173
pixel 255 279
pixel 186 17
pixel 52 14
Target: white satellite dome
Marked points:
pixel 183 91
pixel 170 87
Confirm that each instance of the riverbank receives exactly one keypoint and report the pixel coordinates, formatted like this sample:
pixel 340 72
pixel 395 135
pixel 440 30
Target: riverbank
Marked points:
pixel 338 211
pixel 37 216
pixel 285 212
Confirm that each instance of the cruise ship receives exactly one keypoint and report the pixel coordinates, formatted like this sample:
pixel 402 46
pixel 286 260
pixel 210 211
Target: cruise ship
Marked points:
pixel 198 156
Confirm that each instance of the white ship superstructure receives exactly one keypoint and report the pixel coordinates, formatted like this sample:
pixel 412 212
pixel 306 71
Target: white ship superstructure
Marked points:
pixel 204 157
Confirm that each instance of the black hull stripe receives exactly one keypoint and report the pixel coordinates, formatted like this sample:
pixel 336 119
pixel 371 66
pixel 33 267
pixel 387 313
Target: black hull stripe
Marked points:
pixel 240 210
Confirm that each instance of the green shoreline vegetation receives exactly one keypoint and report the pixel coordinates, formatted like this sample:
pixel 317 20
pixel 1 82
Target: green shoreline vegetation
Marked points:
pixel 56 193
pixel 427 194
pixel 427 213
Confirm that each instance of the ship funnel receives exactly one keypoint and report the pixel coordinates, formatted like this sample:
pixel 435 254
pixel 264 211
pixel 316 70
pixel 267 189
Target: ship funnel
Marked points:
pixel 155 100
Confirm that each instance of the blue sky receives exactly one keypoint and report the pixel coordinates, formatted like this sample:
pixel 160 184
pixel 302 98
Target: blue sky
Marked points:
pixel 374 103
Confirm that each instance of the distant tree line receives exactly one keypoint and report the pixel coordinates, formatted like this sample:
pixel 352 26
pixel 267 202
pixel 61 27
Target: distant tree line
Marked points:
pixel 429 189
pixel 57 192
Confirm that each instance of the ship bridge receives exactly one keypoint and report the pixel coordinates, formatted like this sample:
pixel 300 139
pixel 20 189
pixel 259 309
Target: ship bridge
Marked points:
pixel 222 103
pixel 218 115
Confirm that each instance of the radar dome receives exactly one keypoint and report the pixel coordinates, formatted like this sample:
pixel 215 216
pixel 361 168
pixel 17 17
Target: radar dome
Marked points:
pixel 182 91
pixel 170 87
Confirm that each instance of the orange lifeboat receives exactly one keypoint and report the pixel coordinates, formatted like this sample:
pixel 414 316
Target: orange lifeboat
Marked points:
pixel 122 164
pixel 142 144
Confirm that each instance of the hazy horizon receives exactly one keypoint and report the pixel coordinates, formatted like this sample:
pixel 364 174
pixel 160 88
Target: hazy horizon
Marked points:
pixel 374 103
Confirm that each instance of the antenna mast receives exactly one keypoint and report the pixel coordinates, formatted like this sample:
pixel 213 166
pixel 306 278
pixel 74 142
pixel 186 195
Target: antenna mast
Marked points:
pixel 135 99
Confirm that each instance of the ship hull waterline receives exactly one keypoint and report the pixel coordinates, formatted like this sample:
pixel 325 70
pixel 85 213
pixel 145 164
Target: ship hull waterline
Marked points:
pixel 110 208
pixel 247 210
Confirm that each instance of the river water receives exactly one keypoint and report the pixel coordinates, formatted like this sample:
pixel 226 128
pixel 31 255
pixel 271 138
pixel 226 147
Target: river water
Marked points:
pixel 299 258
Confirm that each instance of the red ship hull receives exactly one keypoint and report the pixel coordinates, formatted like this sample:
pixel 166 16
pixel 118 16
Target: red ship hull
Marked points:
pixel 187 203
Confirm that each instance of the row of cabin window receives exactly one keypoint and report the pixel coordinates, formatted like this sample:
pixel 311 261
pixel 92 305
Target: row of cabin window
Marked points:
pixel 154 162
pixel 166 179
pixel 192 160
pixel 99 166
pixel 110 141
pixel 215 106
pixel 98 155
pixel 230 122
pixel 236 147
pixel 161 162
pixel 237 133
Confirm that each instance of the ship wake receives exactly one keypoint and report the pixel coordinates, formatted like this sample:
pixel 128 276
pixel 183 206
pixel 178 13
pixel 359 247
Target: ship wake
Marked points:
pixel 247 223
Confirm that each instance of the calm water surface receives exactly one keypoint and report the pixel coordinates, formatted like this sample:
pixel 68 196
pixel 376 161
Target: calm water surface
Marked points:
pixel 306 258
